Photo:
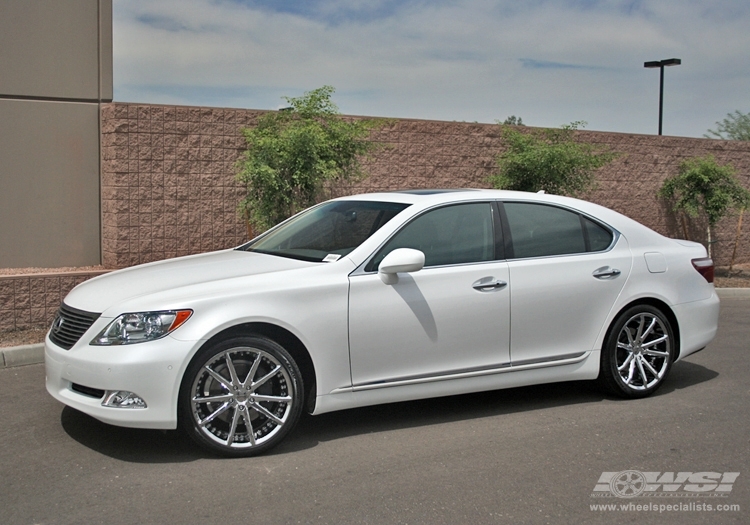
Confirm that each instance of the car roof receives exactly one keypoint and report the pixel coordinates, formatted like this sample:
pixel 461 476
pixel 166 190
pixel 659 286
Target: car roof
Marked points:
pixel 431 197
pixel 427 198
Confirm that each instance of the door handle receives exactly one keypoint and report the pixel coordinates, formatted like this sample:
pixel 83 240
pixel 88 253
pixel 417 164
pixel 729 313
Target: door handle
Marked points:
pixel 485 286
pixel 605 272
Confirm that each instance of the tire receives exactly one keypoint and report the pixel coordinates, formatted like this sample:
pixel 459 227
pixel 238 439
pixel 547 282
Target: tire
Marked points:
pixel 638 352
pixel 241 397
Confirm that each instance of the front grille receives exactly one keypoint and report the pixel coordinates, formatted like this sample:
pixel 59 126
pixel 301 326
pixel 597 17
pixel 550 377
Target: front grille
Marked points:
pixel 69 325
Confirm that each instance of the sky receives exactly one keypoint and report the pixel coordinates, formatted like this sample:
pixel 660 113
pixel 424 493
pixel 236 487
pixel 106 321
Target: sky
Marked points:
pixel 549 62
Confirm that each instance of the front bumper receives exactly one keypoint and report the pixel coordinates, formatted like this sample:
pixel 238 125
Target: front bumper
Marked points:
pixel 152 370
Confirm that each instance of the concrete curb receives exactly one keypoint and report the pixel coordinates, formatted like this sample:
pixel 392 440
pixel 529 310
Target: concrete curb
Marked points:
pixel 22 355
pixel 733 292
pixel 34 354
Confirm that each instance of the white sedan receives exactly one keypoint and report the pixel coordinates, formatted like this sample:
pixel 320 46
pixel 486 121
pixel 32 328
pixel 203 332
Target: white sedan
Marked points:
pixel 381 298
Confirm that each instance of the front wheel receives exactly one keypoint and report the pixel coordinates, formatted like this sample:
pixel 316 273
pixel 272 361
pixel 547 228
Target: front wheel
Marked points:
pixel 241 397
pixel 638 352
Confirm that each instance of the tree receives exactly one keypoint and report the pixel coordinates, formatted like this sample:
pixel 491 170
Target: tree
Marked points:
pixel 705 188
pixel 549 160
pixel 292 153
pixel 736 126
pixel 513 121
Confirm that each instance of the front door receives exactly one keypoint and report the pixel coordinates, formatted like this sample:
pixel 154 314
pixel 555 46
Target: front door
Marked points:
pixel 453 316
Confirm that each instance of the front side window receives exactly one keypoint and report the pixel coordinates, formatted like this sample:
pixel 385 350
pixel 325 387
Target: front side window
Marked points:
pixel 326 232
pixel 539 230
pixel 456 234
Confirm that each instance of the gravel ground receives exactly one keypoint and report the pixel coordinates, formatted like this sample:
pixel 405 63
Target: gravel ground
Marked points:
pixel 739 277
pixel 28 271
pixel 22 337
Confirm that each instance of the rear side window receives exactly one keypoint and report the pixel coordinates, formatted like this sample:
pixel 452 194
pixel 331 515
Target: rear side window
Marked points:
pixel 539 230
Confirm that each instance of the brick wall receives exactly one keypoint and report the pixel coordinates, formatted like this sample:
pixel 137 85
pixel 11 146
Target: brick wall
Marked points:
pixel 167 181
pixel 629 185
pixel 168 184
pixel 28 301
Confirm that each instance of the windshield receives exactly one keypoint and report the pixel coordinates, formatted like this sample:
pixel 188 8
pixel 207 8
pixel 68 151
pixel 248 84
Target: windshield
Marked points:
pixel 327 232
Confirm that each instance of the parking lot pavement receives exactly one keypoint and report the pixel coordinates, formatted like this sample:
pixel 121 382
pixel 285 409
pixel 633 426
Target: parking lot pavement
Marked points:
pixel 526 455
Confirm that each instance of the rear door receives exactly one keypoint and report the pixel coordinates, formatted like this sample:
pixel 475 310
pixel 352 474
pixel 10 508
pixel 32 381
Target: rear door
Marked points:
pixel 566 271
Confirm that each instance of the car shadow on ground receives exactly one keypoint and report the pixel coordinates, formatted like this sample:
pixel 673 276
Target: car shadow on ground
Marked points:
pixel 128 444
pixel 155 446
pixel 396 416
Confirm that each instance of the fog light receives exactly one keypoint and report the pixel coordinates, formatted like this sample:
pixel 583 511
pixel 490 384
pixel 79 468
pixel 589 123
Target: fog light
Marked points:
pixel 122 399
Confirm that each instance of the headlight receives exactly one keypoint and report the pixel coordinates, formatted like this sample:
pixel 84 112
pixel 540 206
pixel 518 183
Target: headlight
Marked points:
pixel 140 327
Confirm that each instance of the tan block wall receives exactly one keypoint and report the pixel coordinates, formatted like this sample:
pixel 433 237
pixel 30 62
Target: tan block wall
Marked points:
pixel 29 301
pixel 630 183
pixel 168 185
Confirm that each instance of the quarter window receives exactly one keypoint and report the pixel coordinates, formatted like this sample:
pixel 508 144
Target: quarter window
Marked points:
pixel 599 237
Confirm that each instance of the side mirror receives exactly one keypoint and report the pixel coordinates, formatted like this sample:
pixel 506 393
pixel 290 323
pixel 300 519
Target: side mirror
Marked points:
pixel 400 260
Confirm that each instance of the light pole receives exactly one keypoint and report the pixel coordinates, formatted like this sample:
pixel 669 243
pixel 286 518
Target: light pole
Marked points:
pixel 660 64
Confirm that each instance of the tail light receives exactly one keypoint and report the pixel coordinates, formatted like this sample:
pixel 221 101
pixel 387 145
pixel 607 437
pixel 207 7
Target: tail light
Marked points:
pixel 705 267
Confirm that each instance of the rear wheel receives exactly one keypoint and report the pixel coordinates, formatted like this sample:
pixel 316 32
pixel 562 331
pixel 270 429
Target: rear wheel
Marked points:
pixel 241 397
pixel 638 352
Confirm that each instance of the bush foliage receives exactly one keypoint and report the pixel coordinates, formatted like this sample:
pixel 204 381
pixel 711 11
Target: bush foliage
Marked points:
pixel 736 126
pixel 705 188
pixel 292 153
pixel 549 160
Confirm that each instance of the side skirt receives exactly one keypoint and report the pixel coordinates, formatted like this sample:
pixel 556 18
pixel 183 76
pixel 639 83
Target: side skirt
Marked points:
pixel 572 367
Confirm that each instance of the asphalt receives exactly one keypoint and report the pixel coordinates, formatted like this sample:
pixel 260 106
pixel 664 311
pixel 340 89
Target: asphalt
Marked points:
pixel 13 356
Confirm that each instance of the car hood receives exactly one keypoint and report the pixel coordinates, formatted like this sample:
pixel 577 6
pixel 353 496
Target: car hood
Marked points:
pixel 101 293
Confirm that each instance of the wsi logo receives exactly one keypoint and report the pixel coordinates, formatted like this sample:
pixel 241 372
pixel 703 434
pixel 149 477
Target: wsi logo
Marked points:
pixel 632 483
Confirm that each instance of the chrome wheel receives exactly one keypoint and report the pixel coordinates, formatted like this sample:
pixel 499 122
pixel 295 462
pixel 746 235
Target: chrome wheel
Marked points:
pixel 638 352
pixel 643 351
pixel 243 396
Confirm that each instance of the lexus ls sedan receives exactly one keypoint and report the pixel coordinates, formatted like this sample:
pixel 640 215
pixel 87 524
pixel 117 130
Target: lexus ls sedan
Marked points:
pixel 380 298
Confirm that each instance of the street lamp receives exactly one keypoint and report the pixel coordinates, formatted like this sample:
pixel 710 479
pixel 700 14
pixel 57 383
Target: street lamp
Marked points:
pixel 660 64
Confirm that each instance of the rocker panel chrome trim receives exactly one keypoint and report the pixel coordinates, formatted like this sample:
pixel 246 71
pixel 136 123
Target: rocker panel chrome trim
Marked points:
pixel 561 360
